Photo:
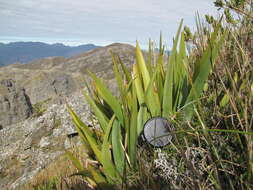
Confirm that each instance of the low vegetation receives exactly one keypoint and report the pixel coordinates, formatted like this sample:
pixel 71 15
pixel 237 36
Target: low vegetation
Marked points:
pixel 57 175
pixel 40 107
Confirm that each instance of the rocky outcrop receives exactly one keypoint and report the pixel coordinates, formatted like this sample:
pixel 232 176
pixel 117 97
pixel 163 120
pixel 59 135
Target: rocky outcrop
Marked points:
pixel 29 146
pixel 15 105
pixel 50 85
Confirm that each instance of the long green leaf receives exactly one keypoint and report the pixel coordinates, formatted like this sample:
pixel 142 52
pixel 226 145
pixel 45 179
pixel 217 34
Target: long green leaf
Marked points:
pixel 118 152
pixel 138 85
pixel 161 57
pixel 201 75
pixel 107 163
pixel 140 120
pixel 132 136
pixel 150 56
pixel 102 119
pixel 78 122
pixel 74 160
pixel 124 88
pixel 118 75
pixel 88 134
pixel 180 74
pixel 152 98
pixel 142 66
pixel 125 70
pixel 168 86
pixel 97 176
pixel 108 97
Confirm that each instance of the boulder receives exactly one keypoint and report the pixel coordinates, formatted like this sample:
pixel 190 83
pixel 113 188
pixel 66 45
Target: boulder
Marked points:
pixel 15 105
pixel 49 85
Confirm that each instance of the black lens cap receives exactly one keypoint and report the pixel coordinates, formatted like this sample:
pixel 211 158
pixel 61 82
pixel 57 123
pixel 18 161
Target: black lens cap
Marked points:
pixel 157 132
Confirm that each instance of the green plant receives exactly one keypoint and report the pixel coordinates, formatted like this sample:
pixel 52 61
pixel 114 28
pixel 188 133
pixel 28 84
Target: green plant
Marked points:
pixel 232 101
pixel 2 174
pixel 214 149
pixel 241 7
pixel 57 123
pixel 40 107
pixel 49 185
pixel 154 89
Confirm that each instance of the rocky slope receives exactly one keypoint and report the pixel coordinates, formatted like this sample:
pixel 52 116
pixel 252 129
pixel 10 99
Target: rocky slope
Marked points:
pixel 28 145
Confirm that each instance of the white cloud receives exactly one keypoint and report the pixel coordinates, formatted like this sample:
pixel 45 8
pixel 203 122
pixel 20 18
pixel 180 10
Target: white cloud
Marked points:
pixel 105 20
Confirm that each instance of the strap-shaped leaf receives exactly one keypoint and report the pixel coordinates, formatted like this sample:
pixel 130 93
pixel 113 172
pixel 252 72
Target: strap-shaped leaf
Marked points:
pixel 180 74
pixel 75 161
pixel 107 163
pixel 142 66
pixel 118 75
pixel 108 97
pixel 203 70
pixel 125 70
pixel 168 86
pixel 150 56
pixel 138 84
pixel 97 176
pixel 102 118
pixel 118 152
pixel 140 120
pixel 152 98
pixel 132 135
pixel 88 134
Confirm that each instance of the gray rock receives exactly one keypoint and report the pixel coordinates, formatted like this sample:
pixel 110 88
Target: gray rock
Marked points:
pixel 50 85
pixel 29 146
pixel 44 142
pixel 15 105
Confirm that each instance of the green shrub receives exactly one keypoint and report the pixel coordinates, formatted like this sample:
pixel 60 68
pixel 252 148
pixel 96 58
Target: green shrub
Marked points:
pixel 153 89
pixel 40 107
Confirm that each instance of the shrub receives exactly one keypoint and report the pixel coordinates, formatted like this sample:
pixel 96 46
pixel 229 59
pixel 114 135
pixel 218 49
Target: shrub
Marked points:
pixel 153 89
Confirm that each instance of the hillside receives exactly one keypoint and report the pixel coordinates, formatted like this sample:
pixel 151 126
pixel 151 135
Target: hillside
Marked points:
pixel 58 76
pixel 24 52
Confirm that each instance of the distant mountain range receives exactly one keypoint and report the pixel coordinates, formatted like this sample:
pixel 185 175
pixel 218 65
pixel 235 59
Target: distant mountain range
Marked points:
pixel 25 52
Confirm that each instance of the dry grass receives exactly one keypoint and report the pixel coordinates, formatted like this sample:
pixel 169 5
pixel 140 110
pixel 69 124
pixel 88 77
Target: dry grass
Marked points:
pixel 57 176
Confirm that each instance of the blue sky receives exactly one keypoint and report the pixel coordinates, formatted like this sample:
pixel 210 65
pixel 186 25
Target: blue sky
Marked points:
pixel 100 22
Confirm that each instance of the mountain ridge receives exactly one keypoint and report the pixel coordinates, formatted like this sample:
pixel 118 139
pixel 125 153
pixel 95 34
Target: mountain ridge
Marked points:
pixel 25 52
